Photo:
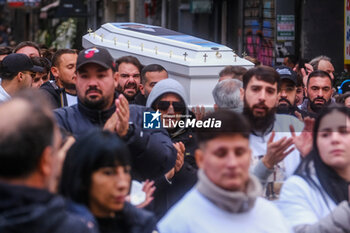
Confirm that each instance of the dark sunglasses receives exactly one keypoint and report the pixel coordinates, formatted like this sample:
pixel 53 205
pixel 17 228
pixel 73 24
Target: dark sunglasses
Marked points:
pixel 178 106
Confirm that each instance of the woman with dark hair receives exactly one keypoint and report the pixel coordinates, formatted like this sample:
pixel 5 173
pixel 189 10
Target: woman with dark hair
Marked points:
pixel 315 199
pixel 96 173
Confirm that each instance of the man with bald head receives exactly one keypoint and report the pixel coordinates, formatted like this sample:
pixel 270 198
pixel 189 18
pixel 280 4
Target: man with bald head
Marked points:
pixel 29 142
pixel 323 63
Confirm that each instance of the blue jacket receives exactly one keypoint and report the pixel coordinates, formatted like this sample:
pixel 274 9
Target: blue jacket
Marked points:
pixel 25 209
pixel 153 153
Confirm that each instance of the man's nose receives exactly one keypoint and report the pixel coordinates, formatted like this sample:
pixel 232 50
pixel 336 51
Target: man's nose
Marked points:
pixel 320 93
pixel 131 78
pixel 262 96
pixel 283 93
pixel 171 109
pixel 92 82
pixel 231 160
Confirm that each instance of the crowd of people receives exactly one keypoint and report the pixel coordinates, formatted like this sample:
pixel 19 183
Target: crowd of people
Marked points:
pixel 75 155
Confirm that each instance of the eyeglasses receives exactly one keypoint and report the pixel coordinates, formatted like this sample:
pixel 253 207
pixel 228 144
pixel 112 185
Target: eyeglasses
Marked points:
pixel 30 73
pixel 178 106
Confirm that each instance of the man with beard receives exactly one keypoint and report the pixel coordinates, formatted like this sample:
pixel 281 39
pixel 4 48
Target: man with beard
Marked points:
pixel 61 92
pixel 319 92
pixel 129 77
pixel 287 95
pixel 271 137
pixel 150 76
pixel 152 152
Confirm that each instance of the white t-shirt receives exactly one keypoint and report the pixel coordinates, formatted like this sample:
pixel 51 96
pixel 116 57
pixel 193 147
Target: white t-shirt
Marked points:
pixel 4 95
pixel 258 145
pixel 302 204
pixel 71 99
pixel 195 213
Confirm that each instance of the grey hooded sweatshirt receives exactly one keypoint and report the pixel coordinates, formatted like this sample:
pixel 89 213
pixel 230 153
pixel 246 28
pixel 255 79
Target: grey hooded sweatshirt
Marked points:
pixel 167 86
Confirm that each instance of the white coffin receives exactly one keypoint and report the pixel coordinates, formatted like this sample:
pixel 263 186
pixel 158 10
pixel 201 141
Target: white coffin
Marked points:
pixel 194 62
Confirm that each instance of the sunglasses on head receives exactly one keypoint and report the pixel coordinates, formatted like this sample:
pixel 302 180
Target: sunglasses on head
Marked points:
pixel 178 106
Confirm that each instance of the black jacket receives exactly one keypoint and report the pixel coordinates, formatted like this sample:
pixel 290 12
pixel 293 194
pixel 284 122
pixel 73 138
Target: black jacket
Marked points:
pixel 140 99
pixel 56 96
pixel 189 139
pixel 24 209
pixel 168 193
pixel 129 220
pixel 152 151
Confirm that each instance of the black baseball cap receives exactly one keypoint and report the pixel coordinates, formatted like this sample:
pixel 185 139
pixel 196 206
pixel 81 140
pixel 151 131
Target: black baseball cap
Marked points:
pixel 95 55
pixel 287 73
pixel 18 62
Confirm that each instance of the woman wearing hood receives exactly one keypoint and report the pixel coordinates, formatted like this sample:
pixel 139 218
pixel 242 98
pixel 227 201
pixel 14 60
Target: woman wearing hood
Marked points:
pixel 169 98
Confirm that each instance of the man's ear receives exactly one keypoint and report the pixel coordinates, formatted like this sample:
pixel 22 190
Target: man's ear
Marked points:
pixel 198 155
pixel 55 72
pixel 19 77
pixel 45 163
pixel 216 107
pixel 305 91
pixel 116 78
pixel 142 89
pixel 241 91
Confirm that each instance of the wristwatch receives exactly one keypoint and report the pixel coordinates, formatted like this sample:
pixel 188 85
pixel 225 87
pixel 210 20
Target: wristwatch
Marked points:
pixel 130 132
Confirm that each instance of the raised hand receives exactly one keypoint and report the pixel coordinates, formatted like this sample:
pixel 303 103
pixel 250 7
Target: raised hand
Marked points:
pixel 123 115
pixel 148 188
pixel 277 151
pixel 303 142
pixel 180 147
pixel 304 72
pixel 199 112
pixel 119 121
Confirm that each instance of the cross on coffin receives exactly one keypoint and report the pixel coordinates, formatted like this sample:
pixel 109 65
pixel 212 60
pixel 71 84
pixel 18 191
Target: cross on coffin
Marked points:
pixel 89 31
pixel 205 57
pixel 185 55
pixel 235 55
